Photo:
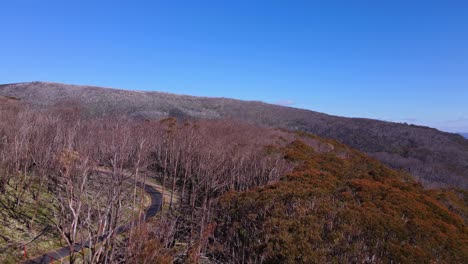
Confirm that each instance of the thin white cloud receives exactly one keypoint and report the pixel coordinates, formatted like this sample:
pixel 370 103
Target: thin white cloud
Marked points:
pixel 285 102
pixel 463 120
pixel 409 120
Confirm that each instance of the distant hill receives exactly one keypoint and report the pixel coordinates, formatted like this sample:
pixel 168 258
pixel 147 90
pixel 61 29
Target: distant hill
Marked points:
pixel 465 135
pixel 435 158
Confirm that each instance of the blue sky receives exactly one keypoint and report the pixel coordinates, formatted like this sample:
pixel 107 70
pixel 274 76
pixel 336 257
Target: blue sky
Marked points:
pixel 403 61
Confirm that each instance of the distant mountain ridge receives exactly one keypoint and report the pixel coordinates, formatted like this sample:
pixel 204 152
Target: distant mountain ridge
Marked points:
pixel 435 158
pixel 465 135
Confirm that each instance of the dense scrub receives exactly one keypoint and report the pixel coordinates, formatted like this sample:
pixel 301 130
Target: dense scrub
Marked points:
pixel 338 209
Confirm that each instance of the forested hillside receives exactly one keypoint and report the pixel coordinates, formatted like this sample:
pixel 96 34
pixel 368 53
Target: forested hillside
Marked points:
pixel 234 193
pixel 434 158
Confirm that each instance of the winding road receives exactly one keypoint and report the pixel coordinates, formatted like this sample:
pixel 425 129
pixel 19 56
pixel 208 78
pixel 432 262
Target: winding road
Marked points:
pixel 151 211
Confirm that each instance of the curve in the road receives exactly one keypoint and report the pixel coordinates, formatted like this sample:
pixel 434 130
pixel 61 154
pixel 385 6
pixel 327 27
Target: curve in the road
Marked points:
pixel 151 211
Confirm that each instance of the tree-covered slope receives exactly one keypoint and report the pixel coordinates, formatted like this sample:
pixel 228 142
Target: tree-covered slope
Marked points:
pixel 433 157
pixel 235 193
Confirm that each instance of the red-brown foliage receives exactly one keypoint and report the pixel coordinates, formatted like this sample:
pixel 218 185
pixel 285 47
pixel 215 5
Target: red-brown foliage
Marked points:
pixel 333 208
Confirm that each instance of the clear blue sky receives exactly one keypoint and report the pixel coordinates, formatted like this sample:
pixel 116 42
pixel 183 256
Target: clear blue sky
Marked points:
pixel 395 60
